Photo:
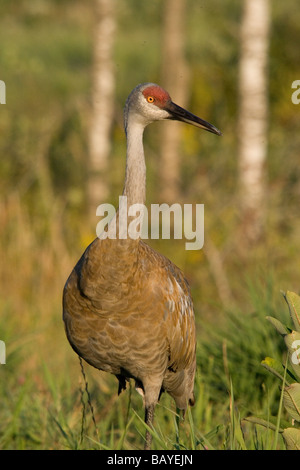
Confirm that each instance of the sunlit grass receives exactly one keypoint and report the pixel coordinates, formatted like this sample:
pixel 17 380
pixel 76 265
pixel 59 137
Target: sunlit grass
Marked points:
pixel 46 54
pixel 45 405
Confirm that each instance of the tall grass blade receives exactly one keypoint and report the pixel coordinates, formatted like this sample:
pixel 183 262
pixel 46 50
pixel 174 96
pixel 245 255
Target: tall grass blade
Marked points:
pixel 280 407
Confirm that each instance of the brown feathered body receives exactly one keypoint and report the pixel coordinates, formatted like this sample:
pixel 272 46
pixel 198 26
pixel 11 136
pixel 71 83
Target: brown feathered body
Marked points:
pixel 128 311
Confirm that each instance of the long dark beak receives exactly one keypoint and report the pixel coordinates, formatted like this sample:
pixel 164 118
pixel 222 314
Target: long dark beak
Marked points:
pixel 179 114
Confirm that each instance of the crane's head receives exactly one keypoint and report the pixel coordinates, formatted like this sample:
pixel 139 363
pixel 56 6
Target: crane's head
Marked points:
pixel 149 102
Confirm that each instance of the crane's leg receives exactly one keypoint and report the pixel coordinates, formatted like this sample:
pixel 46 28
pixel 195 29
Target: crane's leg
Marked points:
pixel 180 415
pixel 149 416
pixel 152 387
pixel 177 420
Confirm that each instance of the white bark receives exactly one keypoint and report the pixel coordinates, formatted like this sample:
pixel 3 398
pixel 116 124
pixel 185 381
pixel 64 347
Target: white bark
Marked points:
pixel 253 114
pixel 102 101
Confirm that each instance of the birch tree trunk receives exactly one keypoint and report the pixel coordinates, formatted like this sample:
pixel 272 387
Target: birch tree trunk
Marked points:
pixel 102 103
pixel 175 80
pixel 253 116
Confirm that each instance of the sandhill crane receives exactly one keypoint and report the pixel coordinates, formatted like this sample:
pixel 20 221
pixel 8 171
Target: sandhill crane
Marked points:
pixel 127 309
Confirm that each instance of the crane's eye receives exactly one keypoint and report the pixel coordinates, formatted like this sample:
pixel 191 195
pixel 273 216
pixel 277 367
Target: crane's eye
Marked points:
pixel 150 99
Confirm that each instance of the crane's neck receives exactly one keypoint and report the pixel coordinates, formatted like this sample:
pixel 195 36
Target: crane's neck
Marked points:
pixel 119 247
pixel 134 187
pixel 135 176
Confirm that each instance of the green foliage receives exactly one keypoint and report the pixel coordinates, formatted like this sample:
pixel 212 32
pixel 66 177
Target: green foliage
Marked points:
pixel 290 394
pixel 46 62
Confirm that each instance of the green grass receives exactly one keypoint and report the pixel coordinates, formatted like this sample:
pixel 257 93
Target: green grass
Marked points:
pixel 45 61
pixel 45 404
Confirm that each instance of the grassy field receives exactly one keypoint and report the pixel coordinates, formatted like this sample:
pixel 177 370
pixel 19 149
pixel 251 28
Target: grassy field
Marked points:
pixel 45 62
pixel 45 405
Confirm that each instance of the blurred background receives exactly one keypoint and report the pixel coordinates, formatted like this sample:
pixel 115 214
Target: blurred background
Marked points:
pixel 68 67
